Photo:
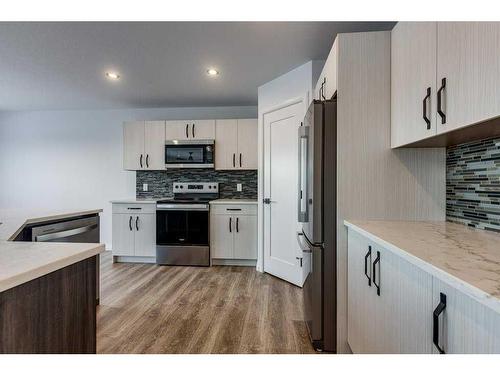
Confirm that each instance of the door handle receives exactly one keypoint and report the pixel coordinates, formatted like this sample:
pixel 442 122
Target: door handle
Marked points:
pixel 187 131
pixel 230 222
pixel 240 159
pixel 424 109
pixel 130 222
pixel 368 254
pixel 137 223
pixel 192 130
pixel 435 324
pixel 377 261
pixel 268 201
pixel 440 104
pixel 140 160
pixel 147 160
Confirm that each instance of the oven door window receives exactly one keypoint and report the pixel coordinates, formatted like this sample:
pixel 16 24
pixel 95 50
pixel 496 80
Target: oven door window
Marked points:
pixel 182 228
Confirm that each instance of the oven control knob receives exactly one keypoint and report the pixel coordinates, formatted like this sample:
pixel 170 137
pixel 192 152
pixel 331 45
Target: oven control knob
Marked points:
pixel 176 186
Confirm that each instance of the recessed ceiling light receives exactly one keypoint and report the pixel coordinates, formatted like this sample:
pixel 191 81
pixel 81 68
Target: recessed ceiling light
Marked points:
pixel 112 75
pixel 212 72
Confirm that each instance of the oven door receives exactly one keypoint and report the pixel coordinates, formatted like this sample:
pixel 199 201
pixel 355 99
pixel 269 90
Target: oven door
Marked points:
pixel 189 155
pixel 182 236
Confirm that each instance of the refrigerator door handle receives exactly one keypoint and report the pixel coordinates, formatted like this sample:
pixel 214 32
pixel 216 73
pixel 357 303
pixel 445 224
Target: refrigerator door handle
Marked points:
pixel 302 197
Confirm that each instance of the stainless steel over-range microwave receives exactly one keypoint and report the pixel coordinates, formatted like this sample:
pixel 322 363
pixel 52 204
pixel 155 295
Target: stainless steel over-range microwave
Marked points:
pixel 199 153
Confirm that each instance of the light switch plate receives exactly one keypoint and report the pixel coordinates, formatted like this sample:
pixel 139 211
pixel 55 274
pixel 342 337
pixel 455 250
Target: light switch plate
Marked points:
pixel 239 187
pixel 145 187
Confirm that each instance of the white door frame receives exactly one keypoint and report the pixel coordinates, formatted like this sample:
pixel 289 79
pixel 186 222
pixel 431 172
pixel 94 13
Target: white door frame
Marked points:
pixel 260 186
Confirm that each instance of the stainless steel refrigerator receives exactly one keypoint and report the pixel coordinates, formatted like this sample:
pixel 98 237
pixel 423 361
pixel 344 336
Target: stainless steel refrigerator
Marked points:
pixel 318 213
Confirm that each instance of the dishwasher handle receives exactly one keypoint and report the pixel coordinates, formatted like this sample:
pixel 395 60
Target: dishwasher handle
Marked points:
pixel 65 233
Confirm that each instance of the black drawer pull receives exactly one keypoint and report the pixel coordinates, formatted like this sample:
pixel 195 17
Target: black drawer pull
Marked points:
pixel 368 254
pixel 377 261
pixel 233 209
pixel 440 102
pixel 424 109
pixel 134 208
pixel 435 326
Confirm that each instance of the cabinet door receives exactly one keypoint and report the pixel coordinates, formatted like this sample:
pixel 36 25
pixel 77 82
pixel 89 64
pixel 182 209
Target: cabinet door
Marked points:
pixel 245 237
pixel 123 235
pixel 413 73
pixel 465 326
pixel 221 236
pixel 360 296
pixel 469 58
pixel 247 157
pixel 226 144
pixel 415 306
pixel 385 303
pixel 177 130
pixel 202 129
pixel 154 140
pixel 133 145
pixel 145 235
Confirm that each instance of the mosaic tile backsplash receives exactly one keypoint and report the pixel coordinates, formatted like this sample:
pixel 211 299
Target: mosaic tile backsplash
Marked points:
pixel 160 182
pixel 473 184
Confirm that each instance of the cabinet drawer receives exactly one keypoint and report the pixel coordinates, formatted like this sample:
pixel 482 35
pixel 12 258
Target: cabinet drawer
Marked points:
pixel 134 208
pixel 234 209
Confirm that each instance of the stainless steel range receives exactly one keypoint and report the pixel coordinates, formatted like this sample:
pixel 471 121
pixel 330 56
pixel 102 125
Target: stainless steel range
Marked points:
pixel 182 224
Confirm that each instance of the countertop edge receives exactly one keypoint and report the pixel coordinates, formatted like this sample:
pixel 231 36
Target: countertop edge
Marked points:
pixel 461 285
pixel 233 201
pixel 133 201
pixel 33 274
pixel 41 219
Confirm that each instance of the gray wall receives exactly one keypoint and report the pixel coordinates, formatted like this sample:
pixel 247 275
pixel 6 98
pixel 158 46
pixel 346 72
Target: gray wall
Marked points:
pixel 473 184
pixel 73 159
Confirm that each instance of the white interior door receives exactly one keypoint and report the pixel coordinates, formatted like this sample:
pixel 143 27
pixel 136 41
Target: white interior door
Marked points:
pixel 282 255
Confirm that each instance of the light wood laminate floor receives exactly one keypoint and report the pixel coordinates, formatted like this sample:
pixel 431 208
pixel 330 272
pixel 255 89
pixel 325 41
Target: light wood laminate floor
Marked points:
pixel 147 308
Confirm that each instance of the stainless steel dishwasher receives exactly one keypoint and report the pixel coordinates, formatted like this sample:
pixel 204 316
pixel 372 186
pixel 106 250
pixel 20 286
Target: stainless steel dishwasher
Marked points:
pixel 78 230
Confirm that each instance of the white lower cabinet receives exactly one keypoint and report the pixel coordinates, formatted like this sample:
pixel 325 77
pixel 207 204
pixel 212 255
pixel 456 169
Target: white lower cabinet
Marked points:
pixel 400 318
pixel 134 232
pixel 233 232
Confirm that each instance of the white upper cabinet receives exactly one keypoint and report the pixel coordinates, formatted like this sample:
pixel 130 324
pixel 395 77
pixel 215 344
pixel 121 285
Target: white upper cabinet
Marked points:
pixel 190 129
pixel 327 81
pixel 413 82
pixel 468 57
pixel 236 144
pixel 143 145
pixel 445 76
pixel 133 145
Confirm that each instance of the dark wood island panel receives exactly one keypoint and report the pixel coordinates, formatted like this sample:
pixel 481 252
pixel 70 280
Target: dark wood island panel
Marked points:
pixel 55 313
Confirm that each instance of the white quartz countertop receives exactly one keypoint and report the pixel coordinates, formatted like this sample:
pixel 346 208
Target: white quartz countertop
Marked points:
pixel 234 201
pixel 21 262
pixel 12 221
pixel 467 258
pixel 134 200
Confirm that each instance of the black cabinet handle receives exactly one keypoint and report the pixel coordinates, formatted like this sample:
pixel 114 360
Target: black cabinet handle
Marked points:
pixel 230 221
pixel 147 160
pixel 377 261
pixel 137 222
pixel 440 102
pixel 140 160
pixel 234 160
pixel 435 326
pixel 233 209
pixel 134 208
pixel 192 130
pixel 237 224
pixel 187 131
pixel 424 109
pixel 368 254
pixel 130 223
pixel 240 159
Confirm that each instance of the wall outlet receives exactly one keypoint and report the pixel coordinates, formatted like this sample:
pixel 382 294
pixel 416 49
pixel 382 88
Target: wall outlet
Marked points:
pixel 145 187
pixel 239 187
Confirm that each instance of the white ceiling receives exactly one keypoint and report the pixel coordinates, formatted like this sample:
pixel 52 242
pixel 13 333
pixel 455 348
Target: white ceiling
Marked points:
pixel 62 65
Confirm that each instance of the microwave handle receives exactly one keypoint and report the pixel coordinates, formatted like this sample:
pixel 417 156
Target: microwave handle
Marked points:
pixel 303 194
